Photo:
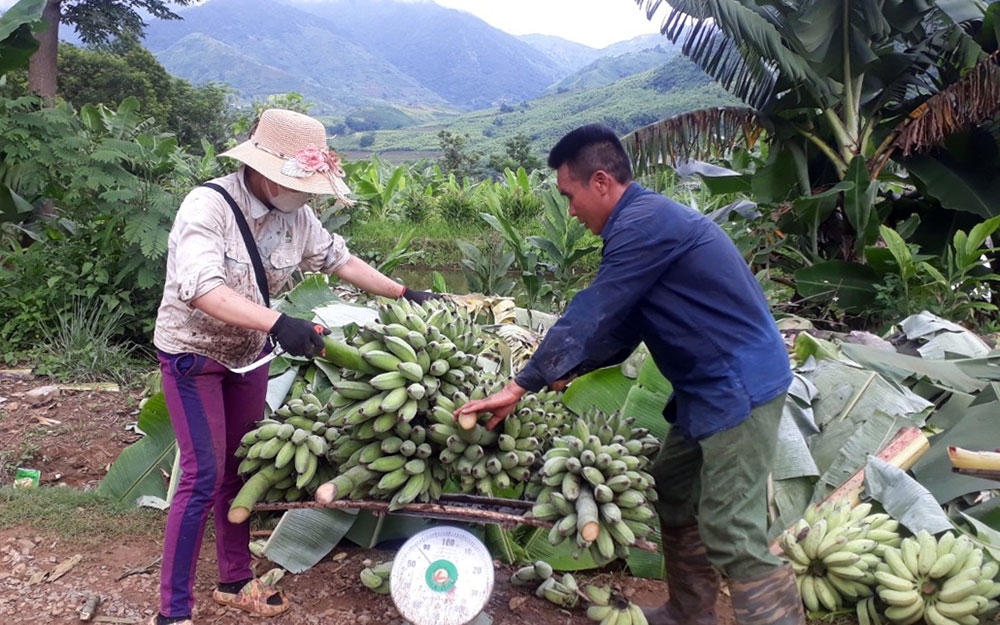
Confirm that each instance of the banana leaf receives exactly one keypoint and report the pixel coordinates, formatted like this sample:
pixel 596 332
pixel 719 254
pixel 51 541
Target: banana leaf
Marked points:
pixel 140 467
pixel 862 439
pixel 790 499
pixel 851 285
pixel 647 408
pixel 371 529
pixel 792 456
pixel 984 368
pixel 808 346
pixel 849 393
pixel 503 544
pixel 278 387
pixel 940 338
pixel 904 369
pixel 339 314
pixel 650 378
pixel 986 536
pixel 311 293
pixel 977 428
pixel 904 498
pixel 605 389
pixel 305 536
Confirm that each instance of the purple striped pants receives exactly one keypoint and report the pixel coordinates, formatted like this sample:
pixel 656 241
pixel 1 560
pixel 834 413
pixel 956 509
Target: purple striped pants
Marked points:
pixel 211 409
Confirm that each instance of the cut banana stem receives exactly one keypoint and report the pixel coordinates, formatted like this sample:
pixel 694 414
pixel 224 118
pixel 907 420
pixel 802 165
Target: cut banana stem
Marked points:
pixel 967 459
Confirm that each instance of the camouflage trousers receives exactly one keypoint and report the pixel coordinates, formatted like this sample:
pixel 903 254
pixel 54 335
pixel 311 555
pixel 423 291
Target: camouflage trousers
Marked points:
pixel 720 483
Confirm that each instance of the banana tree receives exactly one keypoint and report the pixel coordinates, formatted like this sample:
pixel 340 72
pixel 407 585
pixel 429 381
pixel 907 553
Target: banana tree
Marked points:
pixel 861 97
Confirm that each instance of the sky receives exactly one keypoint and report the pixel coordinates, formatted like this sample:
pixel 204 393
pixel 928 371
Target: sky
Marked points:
pixel 596 23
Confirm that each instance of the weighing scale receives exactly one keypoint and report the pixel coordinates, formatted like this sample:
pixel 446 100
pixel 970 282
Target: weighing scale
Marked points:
pixel 442 576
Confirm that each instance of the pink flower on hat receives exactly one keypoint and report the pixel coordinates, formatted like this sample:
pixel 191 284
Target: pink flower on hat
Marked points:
pixel 313 159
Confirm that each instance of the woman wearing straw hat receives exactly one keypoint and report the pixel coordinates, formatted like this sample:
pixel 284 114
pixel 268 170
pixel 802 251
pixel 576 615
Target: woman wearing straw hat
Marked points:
pixel 215 316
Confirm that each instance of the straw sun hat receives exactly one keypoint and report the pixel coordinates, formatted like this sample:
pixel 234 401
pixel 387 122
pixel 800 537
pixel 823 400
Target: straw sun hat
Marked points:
pixel 290 149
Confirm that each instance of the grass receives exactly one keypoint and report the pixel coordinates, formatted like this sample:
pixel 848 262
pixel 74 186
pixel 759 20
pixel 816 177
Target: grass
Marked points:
pixel 83 347
pixel 85 517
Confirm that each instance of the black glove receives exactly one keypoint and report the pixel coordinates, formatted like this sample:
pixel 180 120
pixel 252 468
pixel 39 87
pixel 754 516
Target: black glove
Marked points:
pixel 419 297
pixel 299 337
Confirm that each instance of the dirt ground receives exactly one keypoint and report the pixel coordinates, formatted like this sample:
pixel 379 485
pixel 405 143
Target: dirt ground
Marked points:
pixel 74 438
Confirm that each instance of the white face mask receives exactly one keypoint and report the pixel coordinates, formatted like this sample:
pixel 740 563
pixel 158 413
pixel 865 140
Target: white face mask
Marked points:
pixel 284 200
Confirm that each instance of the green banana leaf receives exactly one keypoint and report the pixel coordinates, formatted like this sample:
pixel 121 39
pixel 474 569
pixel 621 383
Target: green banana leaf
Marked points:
pixel 957 188
pixel 984 368
pixel 806 346
pixel 851 284
pixel 305 536
pixel 503 544
pixel 792 456
pixel 605 389
pixel 17 44
pixel 848 393
pixel 652 379
pixel 371 529
pixel 279 386
pixel 791 497
pixel 645 564
pixel 140 467
pixel 976 429
pixel 308 295
pixel 903 369
pixel 647 408
pixel 986 535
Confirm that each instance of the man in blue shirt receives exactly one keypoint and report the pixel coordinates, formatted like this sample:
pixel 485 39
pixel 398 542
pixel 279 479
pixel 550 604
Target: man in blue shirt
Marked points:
pixel 671 278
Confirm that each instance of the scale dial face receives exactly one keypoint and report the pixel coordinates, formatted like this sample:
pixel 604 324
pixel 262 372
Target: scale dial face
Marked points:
pixel 441 576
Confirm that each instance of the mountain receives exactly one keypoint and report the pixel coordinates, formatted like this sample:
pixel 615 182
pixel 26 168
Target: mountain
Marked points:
pixel 457 55
pixel 608 69
pixel 261 47
pixel 568 55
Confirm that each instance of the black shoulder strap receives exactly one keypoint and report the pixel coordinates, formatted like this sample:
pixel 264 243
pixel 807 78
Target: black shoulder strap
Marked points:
pixel 241 221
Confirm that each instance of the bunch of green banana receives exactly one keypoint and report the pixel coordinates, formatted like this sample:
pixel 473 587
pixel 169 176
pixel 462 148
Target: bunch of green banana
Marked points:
pixel 393 415
pixel 296 438
pixel 531 573
pixel 562 591
pixel 617 428
pixel 376 577
pixel 484 461
pixel 595 493
pixel 542 414
pixel 834 555
pixel 944 581
pixel 867 611
pixel 617 611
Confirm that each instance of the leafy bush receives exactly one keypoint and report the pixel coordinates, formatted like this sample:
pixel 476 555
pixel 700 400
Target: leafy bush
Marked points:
pixel 104 193
pixel 456 203
pixel 417 204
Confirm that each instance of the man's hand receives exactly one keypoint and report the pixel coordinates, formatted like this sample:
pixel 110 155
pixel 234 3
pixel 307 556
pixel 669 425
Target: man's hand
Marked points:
pixel 299 337
pixel 419 297
pixel 500 404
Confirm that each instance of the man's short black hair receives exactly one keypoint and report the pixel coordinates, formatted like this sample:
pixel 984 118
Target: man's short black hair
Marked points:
pixel 590 148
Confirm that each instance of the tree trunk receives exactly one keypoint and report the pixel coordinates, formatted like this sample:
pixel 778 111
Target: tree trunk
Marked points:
pixel 42 66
